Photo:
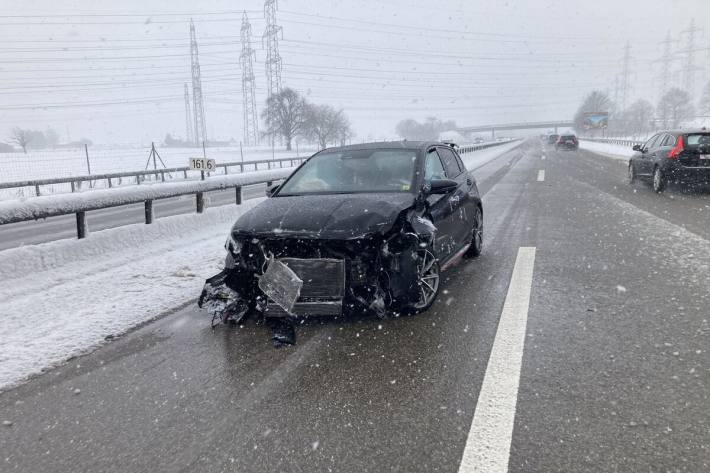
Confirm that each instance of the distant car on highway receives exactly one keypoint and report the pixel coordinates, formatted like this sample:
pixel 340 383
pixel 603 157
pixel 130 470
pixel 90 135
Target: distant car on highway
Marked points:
pixel 552 139
pixel 672 156
pixel 361 228
pixel 478 140
pixel 568 142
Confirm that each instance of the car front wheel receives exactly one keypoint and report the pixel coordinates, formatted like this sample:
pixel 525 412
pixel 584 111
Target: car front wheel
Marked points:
pixel 427 281
pixel 632 174
pixel 659 180
pixel 477 238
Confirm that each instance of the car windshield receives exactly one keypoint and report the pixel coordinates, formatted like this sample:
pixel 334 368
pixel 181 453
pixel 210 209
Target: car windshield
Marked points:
pixel 354 171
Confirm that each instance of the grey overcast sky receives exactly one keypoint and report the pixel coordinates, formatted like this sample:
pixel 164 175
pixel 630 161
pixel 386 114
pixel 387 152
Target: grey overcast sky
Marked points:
pixel 114 71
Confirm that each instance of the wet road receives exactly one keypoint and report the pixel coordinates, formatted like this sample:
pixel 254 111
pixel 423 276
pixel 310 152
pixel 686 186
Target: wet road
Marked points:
pixel 586 350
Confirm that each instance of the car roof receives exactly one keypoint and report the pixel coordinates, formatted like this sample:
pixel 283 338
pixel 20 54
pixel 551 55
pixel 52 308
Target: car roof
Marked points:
pixel 418 145
pixel 686 132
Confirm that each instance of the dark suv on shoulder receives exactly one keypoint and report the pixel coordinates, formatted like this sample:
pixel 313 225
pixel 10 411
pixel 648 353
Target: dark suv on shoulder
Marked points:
pixel 672 156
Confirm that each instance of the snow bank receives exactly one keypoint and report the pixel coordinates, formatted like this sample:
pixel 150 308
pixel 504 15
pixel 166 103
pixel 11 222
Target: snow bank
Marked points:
pixel 39 207
pixel 476 159
pixel 606 149
pixel 80 291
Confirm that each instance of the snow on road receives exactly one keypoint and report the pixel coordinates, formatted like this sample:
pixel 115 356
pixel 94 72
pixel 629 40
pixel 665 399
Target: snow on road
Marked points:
pixel 64 298
pixel 78 292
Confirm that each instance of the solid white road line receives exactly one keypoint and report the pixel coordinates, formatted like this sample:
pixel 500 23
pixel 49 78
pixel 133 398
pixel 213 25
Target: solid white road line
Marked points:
pixel 488 443
pixel 541 175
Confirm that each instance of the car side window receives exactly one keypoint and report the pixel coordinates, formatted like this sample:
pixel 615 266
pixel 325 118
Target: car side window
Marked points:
pixel 669 140
pixel 450 164
pixel 651 142
pixel 462 166
pixel 433 167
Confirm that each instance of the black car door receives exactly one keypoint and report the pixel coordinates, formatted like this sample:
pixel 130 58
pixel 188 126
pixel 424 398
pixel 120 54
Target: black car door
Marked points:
pixel 461 199
pixel 644 160
pixel 441 207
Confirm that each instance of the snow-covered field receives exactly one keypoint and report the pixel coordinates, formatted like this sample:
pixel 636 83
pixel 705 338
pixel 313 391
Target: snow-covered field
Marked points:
pixel 79 292
pixel 610 150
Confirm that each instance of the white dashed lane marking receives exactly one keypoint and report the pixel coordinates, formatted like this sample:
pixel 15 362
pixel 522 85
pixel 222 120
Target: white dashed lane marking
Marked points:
pixel 541 175
pixel 488 444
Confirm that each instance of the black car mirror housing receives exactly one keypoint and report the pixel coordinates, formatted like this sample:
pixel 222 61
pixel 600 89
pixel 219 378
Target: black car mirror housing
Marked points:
pixel 636 148
pixel 441 186
pixel 270 191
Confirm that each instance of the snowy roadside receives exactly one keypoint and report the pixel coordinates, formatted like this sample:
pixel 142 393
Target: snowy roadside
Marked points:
pixel 622 153
pixel 477 159
pixel 79 292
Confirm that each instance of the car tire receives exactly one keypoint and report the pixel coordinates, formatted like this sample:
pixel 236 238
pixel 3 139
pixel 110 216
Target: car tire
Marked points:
pixel 631 174
pixel 477 237
pixel 428 281
pixel 659 180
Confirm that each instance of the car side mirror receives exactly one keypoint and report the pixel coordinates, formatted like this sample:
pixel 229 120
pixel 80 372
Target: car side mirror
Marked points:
pixel 270 191
pixel 636 148
pixel 441 186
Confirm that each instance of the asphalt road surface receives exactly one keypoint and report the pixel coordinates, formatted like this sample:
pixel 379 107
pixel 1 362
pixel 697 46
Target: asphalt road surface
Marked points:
pixel 578 342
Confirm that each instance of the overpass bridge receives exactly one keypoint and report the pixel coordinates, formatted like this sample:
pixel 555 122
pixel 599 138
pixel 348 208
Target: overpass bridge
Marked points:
pixel 516 126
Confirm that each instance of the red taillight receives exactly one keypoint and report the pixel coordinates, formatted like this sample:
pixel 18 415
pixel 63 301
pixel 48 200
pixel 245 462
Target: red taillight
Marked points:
pixel 675 152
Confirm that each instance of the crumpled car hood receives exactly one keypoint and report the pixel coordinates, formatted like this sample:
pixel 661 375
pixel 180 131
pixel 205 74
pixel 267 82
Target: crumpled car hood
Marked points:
pixel 338 216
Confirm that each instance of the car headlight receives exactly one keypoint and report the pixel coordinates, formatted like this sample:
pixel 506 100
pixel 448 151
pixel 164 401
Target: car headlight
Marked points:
pixel 233 246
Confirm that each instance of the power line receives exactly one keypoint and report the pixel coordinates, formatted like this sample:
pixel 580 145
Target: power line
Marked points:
pixel 273 58
pixel 689 67
pixel 250 121
pixel 198 102
pixel 188 117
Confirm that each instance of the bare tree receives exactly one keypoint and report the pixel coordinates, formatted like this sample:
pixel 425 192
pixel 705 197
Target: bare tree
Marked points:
pixel 21 137
pixel 428 131
pixel 325 124
pixel 638 117
pixel 285 116
pixel 674 107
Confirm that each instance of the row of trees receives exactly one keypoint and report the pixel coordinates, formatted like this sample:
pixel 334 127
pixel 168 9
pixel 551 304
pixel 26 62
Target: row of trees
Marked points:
pixel 37 139
pixel 428 131
pixel 289 115
pixel 675 107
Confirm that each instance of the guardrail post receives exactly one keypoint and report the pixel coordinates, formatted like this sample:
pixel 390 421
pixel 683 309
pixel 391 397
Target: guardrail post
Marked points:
pixel 256 166
pixel 238 191
pixel 37 190
pixel 200 200
pixel 162 176
pixel 241 168
pixel 110 184
pixel 72 186
pixel 185 174
pixel 148 212
pixel 202 175
pixel 268 183
pixel 226 170
pixel 138 179
pixel 81 225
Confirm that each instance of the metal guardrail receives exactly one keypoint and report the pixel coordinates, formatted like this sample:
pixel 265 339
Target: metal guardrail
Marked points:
pixel 35 208
pixel 74 180
pixel 613 141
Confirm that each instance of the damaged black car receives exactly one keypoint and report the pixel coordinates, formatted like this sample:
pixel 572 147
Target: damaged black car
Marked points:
pixel 362 228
